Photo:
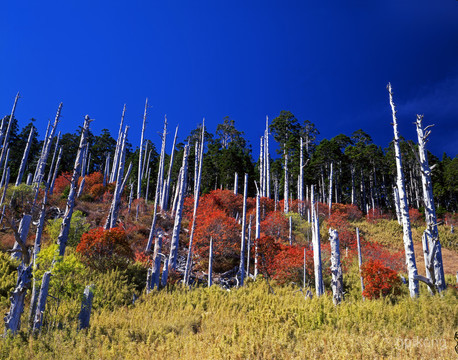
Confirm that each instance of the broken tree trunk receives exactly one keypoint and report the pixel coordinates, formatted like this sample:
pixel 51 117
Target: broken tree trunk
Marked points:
pixel 316 247
pixel 86 307
pixel 360 260
pixel 179 210
pixel 51 168
pixel 65 227
pixel 166 192
pixel 158 190
pixel 25 157
pixel 210 263
pixel 243 244
pixel 236 183
pixel 5 134
pixel 408 243
pixel 41 305
pixel 435 265
pixel 140 156
pixel 24 227
pixel 187 272
pixel 114 169
pixel 336 268
pixel 156 264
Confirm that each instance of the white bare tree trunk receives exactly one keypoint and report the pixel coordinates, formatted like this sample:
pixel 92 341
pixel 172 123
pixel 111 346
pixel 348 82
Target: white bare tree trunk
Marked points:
pixel 86 307
pixel 165 196
pixel 51 168
pixel 331 174
pixel 24 227
pixel 5 134
pixel 290 235
pixel 114 169
pixel 336 268
pixel 261 166
pixel 286 193
pixel 210 263
pixel 25 157
pixel 316 247
pixel 179 210
pixel 140 156
pixel 267 157
pixel 408 243
pixel 304 271
pixel 248 249
pixel 5 167
pixel 156 264
pixel 353 200
pixel 116 203
pixel 65 227
pixel 44 156
pixel 157 196
pixel 257 234
pixel 41 304
pixel 236 183
pixel 360 260
pixel 243 244
pixel 397 204
pixel 433 257
pixel 187 272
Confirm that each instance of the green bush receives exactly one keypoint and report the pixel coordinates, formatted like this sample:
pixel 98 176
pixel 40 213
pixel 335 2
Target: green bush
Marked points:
pixel 8 277
pixel 78 226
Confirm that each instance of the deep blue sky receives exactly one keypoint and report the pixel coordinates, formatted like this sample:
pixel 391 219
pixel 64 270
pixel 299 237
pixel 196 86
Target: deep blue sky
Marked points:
pixel 325 61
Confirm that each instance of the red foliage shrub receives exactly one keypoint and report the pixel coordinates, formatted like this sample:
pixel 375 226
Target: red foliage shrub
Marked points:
pixel 276 225
pixel 416 217
pixel 379 280
pixel 105 249
pixel 374 215
pixel 92 179
pixel 143 259
pixel 62 182
pixel 97 191
pixel 347 235
pixel 351 212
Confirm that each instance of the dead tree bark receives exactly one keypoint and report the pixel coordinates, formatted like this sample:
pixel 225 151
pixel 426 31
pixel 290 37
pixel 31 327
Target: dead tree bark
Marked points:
pixel 140 156
pixel 434 265
pixel 248 249
pixel 360 260
pixel 158 189
pixel 210 263
pixel 261 166
pixel 25 157
pixel 114 169
pixel 65 227
pixel 267 157
pixel 243 244
pixel 236 183
pixel 24 227
pixel 5 134
pixel 86 307
pixel 51 168
pixel 116 203
pixel 179 210
pixel 156 264
pixel 331 174
pixel 166 192
pixel 336 268
pixel 41 305
pixel 408 243
pixel 397 204
pixel 257 233
pixel 44 156
pixel 196 204
pixel 319 287
pixel 286 193
pixel 5 167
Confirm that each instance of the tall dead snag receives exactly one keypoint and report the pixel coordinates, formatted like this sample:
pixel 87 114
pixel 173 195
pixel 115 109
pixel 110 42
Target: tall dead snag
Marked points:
pixel 65 227
pixel 304 271
pixel 2 182
pixel 267 159
pixel 40 172
pixel 397 204
pixel 181 188
pixel 83 171
pixel 210 263
pixel 187 271
pixel 261 165
pixel 360 260
pixel 140 156
pixel 408 243
pixel 248 248
pixel 5 134
pixel 51 168
pixel 156 265
pixel 257 233
pixel 114 169
pixel 23 231
pixel 158 189
pixel 319 285
pixel 236 183
pixel 243 244
pixel 116 203
pixel 286 193
pixel 25 157
pixel 433 253
pixel 56 169
pixel 86 307
pixel 336 268
pixel 331 174
pixel 41 305
pixel 166 192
